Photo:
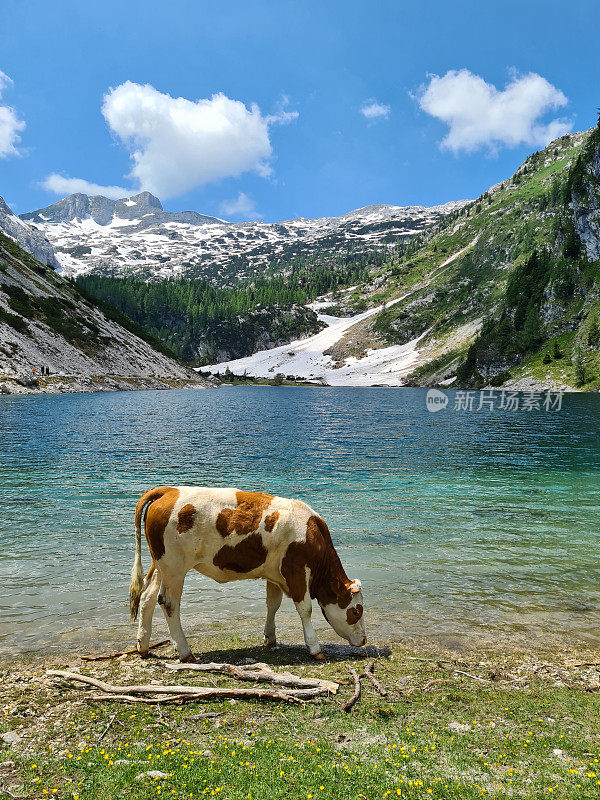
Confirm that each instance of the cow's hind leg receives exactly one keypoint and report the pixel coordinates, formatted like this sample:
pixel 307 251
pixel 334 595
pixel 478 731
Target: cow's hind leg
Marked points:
pixel 274 598
pixel 304 608
pixel 169 598
pixel 147 606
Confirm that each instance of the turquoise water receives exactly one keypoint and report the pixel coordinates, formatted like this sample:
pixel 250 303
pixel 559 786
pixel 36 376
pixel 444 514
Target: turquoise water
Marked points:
pixel 465 528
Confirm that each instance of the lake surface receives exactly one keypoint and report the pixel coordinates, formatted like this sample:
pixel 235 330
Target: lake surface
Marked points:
pixel 466 528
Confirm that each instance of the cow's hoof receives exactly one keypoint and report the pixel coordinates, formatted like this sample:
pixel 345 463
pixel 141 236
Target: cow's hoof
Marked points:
pixel 142 653
pixel 320 656
pixel 269 642
pixel 190 659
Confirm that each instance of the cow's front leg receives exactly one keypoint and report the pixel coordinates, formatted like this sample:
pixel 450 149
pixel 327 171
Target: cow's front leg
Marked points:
pixel 169 598
pixel 274 598
pixel 304 608
pixel 147 606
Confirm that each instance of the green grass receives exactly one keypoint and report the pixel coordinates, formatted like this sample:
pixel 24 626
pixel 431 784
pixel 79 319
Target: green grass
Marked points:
pixel 489 729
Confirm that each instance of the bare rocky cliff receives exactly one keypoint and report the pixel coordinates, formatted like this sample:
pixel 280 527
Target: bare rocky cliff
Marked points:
pixel 585 197
pixel 47 325
pixel 30 239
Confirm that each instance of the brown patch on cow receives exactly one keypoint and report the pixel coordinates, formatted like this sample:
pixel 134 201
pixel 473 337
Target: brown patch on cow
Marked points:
pixel 328 581
pixel 343 594
pixel 157 517
pixel 185 518
pixel 292 568
pixel 354 614
pixel 271 521
pixel 247 555
pixel 246 516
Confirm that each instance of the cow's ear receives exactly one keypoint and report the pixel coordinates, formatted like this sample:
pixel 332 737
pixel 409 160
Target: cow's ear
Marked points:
pixel 355 586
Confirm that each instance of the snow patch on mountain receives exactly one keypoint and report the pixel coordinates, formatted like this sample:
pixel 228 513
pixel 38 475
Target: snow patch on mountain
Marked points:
pixel 308 359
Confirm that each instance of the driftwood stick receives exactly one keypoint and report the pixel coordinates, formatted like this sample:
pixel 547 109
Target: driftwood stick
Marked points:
pixel 209 694
pixel 470 675
pixel 124 652
pixel 368 672
pixel 130 698
pixel 261 673
pixel 291 696
pixel 105 731
pixel 349 703
pixel 205 715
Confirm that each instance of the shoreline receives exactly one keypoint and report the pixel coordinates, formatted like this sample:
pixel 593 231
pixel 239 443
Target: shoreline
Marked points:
pixel 381 632
pixel 81 384
pixel 88 384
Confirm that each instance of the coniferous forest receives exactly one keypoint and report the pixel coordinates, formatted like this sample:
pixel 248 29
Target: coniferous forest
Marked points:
pixel 202 323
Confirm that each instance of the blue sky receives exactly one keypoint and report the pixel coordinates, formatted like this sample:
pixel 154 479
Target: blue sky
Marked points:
pixel 305 148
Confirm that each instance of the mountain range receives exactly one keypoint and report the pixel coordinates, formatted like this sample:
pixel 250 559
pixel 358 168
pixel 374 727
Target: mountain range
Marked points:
pixel 135 237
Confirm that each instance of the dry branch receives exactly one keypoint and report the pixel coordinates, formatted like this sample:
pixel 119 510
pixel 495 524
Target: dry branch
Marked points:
pixel 124 652
pixel 368 672
pixel 349 703
pixel 187 692
pixel 261 673
pixel 130 698
pixel 105 731
pixel 470 675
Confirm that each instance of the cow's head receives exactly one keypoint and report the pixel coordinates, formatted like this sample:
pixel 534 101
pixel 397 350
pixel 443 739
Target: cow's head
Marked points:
pixel 345 613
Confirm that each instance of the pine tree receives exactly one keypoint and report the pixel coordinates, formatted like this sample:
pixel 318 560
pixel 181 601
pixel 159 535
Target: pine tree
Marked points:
pixel 593 336
pixel 580 371
pixel 556 351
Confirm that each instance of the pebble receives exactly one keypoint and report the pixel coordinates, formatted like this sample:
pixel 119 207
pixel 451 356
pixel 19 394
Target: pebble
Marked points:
pixel 458 726
pixel 152 773
pixel 10 737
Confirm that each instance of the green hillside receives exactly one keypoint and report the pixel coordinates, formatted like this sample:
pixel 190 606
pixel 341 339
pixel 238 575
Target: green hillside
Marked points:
pixel 522 281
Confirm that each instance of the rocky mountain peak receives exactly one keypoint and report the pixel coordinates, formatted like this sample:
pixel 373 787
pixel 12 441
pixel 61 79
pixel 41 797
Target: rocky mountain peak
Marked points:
pixel 142 210
pixel 145 199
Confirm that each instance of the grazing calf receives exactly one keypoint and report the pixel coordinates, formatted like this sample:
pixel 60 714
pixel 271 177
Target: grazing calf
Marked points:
pixel 231 535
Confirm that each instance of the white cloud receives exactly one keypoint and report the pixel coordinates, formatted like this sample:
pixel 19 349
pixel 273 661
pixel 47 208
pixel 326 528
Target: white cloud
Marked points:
pixel 371 109
pixel 10 124
pixel 62 185
pixel 177 144
pixel 479 115
pixel 240 206
pixel 281 116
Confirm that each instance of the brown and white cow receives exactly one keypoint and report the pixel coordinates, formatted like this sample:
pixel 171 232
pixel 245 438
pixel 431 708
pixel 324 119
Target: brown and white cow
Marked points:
pixel 231 535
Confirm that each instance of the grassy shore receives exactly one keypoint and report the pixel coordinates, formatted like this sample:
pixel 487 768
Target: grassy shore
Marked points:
pixel 486 724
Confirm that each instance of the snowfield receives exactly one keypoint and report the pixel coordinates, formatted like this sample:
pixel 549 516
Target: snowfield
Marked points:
pixel 307 358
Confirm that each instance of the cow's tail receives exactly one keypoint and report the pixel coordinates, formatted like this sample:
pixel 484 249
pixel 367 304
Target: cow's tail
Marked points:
pixel 136 586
